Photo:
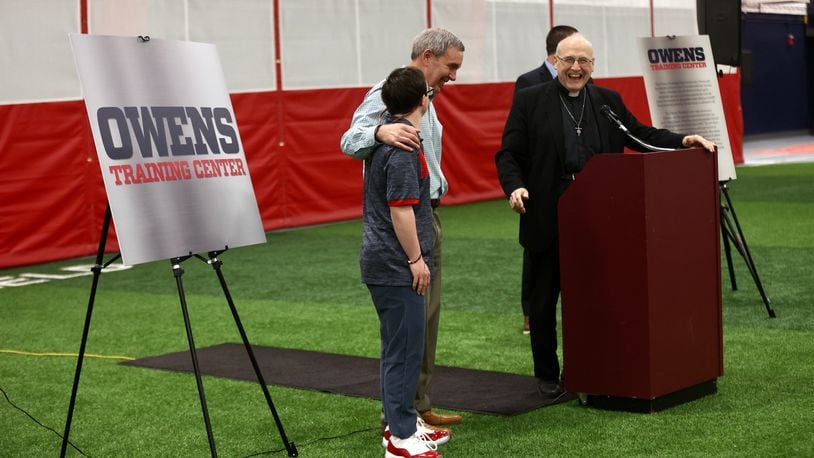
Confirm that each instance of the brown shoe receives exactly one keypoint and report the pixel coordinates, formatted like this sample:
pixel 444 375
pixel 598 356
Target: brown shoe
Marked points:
pixel 438 419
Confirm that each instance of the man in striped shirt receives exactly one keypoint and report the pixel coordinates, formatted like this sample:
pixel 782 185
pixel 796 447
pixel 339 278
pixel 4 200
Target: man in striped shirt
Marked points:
pixel 438 53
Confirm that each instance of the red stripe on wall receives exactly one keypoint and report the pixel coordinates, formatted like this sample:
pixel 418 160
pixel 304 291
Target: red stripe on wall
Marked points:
pixel 50 183
pixel 278 66
pixel 83 16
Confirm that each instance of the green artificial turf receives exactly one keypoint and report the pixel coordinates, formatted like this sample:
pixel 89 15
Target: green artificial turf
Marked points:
pixel 302 290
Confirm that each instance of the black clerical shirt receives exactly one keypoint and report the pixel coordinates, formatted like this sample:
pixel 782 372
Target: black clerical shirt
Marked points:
pixel 578 148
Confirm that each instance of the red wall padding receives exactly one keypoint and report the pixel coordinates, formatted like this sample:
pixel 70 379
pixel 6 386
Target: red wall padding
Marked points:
pixel 51 188
pixel 53 198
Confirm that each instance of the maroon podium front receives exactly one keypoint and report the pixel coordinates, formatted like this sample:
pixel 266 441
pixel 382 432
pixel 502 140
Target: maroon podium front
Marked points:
pixel 641 280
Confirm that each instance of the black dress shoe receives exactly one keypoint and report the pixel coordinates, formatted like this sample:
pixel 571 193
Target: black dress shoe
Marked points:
pixel 549 389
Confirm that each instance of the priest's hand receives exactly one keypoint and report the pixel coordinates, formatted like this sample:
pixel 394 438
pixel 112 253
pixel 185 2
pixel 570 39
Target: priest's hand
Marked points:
pixel 697 140
pixel 517 200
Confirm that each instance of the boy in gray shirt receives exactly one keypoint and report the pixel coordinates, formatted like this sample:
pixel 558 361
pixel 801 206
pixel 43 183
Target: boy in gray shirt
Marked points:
pixel 397 240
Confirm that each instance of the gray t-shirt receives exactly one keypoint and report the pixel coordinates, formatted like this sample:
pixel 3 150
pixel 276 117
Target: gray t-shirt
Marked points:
pixel 393 177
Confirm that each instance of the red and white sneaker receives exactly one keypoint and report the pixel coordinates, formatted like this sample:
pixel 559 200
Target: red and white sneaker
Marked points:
pixel 415 446
pixel 437 436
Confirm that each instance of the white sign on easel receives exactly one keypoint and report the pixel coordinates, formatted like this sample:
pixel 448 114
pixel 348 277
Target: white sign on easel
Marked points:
pixel 173 164
pixel 682 91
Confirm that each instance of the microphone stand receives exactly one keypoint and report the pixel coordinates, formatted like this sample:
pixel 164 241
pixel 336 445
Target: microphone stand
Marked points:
pixel 606 110
pixel 647 145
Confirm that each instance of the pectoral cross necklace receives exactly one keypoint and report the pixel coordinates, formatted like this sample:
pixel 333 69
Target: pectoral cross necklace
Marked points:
pixel 577 124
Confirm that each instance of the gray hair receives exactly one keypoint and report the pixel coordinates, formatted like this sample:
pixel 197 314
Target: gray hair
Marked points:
pixel 437 41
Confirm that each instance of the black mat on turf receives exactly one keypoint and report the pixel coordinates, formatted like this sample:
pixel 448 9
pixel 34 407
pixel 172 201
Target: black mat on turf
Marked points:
pixel 488 392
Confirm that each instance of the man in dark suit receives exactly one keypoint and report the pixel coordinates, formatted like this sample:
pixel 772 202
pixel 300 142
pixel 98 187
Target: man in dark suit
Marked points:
pixel 543 74
pixel 551 132
pixel 546 72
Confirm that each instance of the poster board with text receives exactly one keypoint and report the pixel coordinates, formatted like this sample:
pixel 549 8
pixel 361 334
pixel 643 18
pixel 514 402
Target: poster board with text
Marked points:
pixel 682 91
pixel 168 144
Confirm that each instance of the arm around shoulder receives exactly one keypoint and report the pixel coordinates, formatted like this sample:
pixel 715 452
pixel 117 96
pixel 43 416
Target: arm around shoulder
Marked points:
pixel 359 140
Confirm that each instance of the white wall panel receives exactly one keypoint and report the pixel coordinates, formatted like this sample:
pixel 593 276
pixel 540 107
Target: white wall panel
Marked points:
pixel 156 18
pixel 520 38
pixel 386 30
pixel 473 23
pixel 675 21
pixel 36 63
pixel 325 43
pixel 346 42
pixel 674 17
pixel 243 32
pixel 612 30
pixel 318 43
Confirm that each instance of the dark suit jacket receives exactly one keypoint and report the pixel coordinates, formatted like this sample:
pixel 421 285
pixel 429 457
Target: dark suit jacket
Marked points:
pixel 532 152
pixel 536 76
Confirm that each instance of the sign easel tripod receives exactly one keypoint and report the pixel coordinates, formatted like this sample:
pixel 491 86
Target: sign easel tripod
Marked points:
pixel 178 273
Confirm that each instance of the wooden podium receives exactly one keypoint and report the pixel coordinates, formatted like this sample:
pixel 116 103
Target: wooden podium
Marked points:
pixel 641 280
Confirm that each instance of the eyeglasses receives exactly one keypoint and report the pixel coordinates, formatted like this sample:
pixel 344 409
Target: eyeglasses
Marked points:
pixel 570 60
pixel 430 91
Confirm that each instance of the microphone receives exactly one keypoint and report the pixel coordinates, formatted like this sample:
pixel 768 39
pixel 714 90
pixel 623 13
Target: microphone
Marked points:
pixel 614 119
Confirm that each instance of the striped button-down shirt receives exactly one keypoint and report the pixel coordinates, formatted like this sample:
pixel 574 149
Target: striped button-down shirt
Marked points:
pixel 359 141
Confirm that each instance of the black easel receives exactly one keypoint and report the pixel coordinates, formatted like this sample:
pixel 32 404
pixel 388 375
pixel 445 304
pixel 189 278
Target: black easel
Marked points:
pixel 178 273
pixel 216 264
pixel 97 271
pixel 732 232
